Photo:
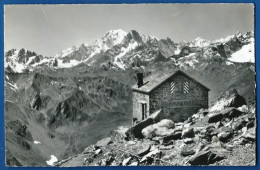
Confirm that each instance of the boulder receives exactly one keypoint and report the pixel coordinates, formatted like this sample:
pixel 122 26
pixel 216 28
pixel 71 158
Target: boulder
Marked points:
pixel 145 150
pixel 175 136
pixel 231 113
pixel 186 151
pixel 225 134
pixel 154 153
pixel 136 130
pixel 205 158
pixel 238 124
pixel 230 98
pixel 166 123
pixel 188 133
pixel 215 117
pixel 159 129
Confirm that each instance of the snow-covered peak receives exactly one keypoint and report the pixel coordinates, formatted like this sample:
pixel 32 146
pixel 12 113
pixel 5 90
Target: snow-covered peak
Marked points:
pixel 200 42
pixel 118 32
pixel 224 40
pixel 110 39
pixel 66 52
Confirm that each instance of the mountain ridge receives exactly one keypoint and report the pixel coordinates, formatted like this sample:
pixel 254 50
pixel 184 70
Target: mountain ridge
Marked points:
pixel 120 49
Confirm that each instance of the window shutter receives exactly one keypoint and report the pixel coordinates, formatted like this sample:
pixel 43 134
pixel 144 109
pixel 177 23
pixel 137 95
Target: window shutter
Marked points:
pixel 186 87
pixel 172 88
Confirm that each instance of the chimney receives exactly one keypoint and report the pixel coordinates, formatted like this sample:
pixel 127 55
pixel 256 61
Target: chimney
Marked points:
pixel 140 79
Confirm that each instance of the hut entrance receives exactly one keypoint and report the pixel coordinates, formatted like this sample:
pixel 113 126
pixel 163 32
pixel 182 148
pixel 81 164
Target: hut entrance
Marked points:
pixel 144 111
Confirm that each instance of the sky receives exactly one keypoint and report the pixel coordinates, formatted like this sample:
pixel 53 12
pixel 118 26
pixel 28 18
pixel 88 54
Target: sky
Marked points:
pixel 49 29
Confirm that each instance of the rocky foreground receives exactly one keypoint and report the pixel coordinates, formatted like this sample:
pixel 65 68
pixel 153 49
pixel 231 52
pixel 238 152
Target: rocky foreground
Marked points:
pixel 223 135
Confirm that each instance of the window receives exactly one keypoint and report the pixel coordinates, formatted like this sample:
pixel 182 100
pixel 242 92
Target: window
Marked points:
pixel 172 88
pixel 186 87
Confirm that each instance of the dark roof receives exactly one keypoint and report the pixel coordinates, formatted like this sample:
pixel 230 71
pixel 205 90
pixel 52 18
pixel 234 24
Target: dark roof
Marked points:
pixel 155 80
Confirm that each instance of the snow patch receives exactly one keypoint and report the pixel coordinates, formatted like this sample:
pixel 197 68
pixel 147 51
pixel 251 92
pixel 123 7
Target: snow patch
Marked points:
pixel 36 142
pixel 177 51
pixel 52 160
pixel 72 63
pixel 245 54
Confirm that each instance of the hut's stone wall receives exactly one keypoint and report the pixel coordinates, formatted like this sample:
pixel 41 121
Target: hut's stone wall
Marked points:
pixel 177 102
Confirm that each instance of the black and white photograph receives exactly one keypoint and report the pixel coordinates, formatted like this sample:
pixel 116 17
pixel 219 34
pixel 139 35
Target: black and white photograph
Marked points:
pixel 129 85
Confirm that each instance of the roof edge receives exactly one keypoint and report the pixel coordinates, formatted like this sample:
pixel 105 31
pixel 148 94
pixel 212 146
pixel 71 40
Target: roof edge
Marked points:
pixel 177 72
pixel 172 75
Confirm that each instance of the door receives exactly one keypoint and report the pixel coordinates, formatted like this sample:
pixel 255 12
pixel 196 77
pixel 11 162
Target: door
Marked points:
pixel 144 110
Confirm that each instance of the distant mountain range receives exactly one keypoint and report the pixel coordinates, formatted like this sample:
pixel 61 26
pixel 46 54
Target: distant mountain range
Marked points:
pixel 59 105
pixel 122 50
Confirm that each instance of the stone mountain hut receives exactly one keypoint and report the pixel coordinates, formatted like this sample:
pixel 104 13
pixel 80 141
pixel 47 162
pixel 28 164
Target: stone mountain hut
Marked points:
pixel 178 95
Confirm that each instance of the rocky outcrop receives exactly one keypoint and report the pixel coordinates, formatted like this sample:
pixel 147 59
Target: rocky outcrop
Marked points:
pixel 36 102
pixel 230 98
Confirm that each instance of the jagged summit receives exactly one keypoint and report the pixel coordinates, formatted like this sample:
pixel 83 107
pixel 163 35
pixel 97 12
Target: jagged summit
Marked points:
pixel 116 32
pixel 119 48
